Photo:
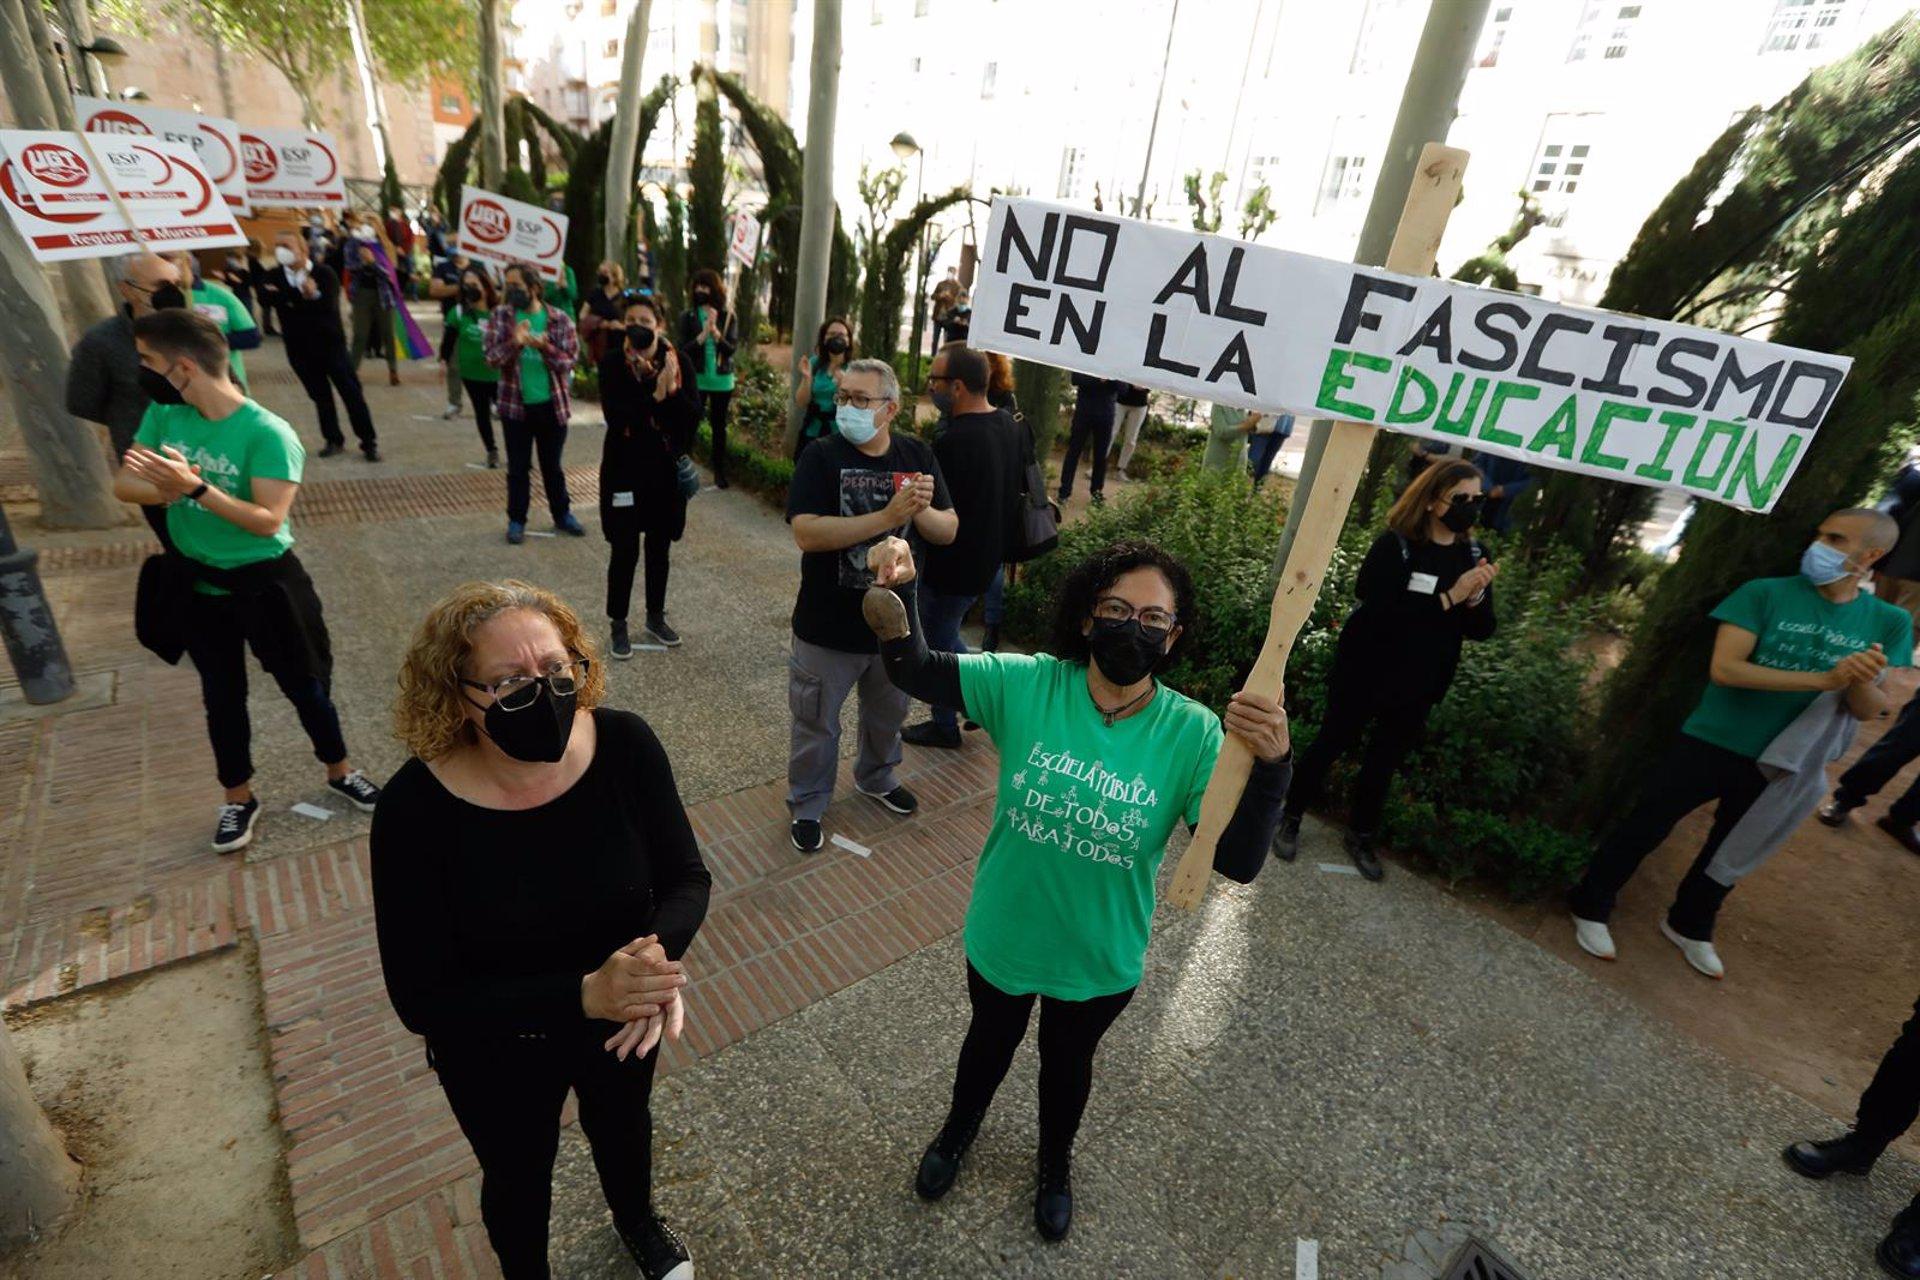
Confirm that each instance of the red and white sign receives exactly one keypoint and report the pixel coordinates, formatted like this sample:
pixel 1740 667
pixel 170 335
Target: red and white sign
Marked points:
pixel 745 240
pixel 57 175
pixel 507 231
pixel 102 231
pixel 215 139
pixel 292 168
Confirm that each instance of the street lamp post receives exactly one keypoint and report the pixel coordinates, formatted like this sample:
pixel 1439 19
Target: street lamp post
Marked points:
pixel 906 149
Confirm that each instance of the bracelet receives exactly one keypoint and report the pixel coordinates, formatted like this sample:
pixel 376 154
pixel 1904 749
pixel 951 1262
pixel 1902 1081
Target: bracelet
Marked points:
pixel 197 493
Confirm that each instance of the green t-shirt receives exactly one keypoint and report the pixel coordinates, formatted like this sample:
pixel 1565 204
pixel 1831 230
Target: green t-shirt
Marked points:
pixel 1064 893
pixel 219 304
pixel 536 384
pixel 1795 629
pixel 249 444
pixel 708 376
pixel 565 297
pixel 470 344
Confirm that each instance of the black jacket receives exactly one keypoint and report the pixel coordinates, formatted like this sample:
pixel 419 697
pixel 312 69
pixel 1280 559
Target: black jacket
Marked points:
pixel 640 453
pixel 695 350
pixel 1401 642
pixel 311 325
pixel 983 456
pixel 279 611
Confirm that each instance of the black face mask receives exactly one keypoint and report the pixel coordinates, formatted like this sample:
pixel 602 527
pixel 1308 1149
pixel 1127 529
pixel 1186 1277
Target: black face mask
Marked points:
pixel 538 733
pixel 836 345
pixel 700 295
pixel 518 298
pixel 1461 516
pixel 639 336
pixel 605 279
pixel 159 387
pixel 470 293
pixel 167 295
pixel 1126 651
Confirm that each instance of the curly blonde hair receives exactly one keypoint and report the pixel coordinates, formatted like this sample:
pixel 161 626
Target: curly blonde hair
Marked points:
pixel 428 716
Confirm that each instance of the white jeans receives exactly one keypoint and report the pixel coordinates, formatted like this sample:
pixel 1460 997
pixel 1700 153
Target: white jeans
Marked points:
pixel 1126 432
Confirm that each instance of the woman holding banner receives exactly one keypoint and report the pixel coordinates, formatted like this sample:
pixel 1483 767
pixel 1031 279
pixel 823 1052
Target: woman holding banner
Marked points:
pixel 1099 762
pixel 1425 587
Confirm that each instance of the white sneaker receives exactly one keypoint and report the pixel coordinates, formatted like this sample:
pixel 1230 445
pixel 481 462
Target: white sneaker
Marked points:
pixel 454 410
pixel 1594 938
pixel 1700 955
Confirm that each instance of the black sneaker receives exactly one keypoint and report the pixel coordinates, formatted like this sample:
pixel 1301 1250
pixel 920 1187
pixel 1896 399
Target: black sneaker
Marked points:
pixel 929 734
pixel 1833 813
pixel 1365 860
pixel 333 448
pixel 234 830
pixel 806 835
pixel 900 800
pixel 360 792
pixel 621 647
pixel 1053 1197
pixel 940 1165
pixel 666 635
pixel 658 1249
pixel 1286 841
pixel 372 453
pixel 493 459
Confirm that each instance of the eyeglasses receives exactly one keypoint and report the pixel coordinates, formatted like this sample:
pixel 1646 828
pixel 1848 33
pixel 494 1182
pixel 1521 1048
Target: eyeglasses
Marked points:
pixel 860 400
pixel 1152 618
pixel 517 693
pixel 1467 500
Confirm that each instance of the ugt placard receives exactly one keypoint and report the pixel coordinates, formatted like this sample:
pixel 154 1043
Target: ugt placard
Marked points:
pixel 507 231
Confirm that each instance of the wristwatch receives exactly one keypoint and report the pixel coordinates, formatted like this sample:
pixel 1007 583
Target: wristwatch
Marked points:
pixel 196 495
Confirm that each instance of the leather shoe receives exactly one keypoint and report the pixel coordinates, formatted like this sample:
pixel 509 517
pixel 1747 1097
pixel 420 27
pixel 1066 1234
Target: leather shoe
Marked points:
pixel 929 734
pixel 1849 1153
pixel 1899 1253
pixel 1365 860
pixel 941 1163
pixel 1286 841
pixel 1053 1198
pixel 1902 832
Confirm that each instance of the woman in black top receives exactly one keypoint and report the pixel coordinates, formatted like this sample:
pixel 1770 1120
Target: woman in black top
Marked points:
pixel 601 311
pixel 708 336
pixel 646 389
pixel 1425 586
pixel 535 882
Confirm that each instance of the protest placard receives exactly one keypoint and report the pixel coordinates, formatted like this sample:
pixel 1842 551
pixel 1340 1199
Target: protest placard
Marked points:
pixel 743 239
pixel 504 231
pixel 215 139
pixel 292 168
pixel 57 235
pixel 1644 401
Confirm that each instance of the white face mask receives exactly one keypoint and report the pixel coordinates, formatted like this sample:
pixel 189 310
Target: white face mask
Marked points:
pixel 284 256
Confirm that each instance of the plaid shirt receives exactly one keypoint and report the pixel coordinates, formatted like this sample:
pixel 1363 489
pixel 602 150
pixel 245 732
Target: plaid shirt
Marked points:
pixel 563 351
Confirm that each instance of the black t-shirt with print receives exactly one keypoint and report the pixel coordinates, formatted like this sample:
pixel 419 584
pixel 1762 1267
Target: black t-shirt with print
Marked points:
pixel 833 478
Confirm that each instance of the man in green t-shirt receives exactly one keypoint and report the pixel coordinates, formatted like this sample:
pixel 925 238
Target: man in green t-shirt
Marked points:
pixel 228 471
pixel 1782 643
pixel 223 306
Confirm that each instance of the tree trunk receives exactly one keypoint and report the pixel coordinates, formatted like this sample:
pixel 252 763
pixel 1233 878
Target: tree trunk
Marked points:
pixel 369 86
pixel 39 1181
pixel 28 67
pixel 493 124
pixel 621 156
pixel 817 210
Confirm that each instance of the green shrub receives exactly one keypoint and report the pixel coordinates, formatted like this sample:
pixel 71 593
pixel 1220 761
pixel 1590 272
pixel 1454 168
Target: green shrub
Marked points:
pixel 1483 794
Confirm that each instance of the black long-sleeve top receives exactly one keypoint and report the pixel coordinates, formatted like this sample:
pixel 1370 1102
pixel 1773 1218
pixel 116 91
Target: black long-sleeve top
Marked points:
pixel 488 919
pixel 934 678
pixel 696 348
pixel 311 326
pixel 640 455
pixel 1401 638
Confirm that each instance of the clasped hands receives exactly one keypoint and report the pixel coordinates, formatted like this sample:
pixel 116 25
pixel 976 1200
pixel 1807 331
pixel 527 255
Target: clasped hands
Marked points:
pixel 168 470
pixel 640 987
pixel 1862 667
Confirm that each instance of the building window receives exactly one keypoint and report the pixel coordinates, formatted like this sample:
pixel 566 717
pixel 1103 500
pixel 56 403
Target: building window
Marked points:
pixel 879 12
pixel 1561 164
pixel 914 66
pixel 609 8
pixel 451 105
pixel 987 79
pixel 1607 26
pixel 739 44
pixel 1072 167
pixel 613 48
pixel 1386 31
pixel 1803 24
pixel 1493 36
pixel 1344 182
pixel 920 7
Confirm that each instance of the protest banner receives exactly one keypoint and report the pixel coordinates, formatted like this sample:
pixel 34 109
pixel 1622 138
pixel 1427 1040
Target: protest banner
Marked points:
pixel 1649 402
pixel 292 168
pixel 134 173
pixel 743 242
pixel 505 231
pixel 215 139
pixel 54 234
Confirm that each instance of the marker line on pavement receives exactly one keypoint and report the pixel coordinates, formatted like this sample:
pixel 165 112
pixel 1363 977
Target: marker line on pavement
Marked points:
pixel 859 850
pixel 649 648
pixel 1306 1260
pixel 1339 869
pixel 313 811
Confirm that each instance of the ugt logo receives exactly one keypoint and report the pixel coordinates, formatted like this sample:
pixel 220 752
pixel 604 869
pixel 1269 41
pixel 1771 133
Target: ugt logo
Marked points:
pixel 258 158
pixel 487 221
pixel 55 165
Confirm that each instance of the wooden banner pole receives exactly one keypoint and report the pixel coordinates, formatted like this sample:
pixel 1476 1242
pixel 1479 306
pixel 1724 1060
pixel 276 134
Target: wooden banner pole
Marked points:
pixel 1423 220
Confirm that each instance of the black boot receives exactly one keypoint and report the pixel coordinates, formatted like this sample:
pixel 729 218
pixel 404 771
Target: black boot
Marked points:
pixel 1849 1153
pixel 1899 1253
pixel 1360 849
pixel 990 638
pixel 1286 841
pixel 1053 1198
pixel 941 1163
